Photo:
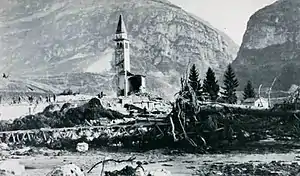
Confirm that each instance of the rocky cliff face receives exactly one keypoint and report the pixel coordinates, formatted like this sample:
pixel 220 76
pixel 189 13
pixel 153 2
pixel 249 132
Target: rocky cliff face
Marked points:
pixel 271 46
pixel 59 36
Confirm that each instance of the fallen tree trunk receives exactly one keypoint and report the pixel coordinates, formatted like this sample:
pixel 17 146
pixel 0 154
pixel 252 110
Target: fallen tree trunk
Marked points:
pixel 216 108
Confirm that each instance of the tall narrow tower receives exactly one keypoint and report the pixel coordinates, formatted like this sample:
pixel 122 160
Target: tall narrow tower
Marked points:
pixel 122 58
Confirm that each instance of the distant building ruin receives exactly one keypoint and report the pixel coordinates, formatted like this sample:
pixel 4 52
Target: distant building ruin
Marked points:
pixel 127 82
pixel 256 102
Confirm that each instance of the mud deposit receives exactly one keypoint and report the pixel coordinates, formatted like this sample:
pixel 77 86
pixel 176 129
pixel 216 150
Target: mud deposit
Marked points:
pixel 175 162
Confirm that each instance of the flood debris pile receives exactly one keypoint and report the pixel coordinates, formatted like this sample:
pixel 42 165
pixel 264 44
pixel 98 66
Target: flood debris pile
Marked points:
pixel 128 170
pixel 192 125
pixel 54 116
pixel 273 168
pixel 213 126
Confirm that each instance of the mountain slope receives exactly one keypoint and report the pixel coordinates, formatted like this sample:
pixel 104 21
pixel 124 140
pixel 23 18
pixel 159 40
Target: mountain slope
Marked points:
pixel 271 47
pixel 41 37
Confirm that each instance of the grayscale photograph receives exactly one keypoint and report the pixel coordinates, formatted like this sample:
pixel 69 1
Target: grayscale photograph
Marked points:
pixel 149 87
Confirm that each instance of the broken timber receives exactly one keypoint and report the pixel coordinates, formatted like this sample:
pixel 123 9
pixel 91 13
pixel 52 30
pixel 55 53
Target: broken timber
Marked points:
pixel 109 132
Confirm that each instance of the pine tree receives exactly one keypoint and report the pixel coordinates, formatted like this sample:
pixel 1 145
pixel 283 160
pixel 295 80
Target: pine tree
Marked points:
pixel 210 85
pixel 194 80
pixel 249 91
pixel 230 85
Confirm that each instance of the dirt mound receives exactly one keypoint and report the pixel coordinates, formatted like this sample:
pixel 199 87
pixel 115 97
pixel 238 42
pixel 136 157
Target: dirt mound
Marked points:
pixel 55 116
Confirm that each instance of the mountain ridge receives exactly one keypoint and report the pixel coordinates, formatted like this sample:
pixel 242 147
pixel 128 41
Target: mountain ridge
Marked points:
pixel 55 37
pixel 270 47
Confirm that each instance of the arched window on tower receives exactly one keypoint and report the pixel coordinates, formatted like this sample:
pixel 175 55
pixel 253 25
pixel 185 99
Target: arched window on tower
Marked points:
pixel 121 45
pixel 118 45
pixel 126 45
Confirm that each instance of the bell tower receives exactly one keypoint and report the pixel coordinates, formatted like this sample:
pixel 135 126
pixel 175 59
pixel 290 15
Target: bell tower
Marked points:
pixel 122 58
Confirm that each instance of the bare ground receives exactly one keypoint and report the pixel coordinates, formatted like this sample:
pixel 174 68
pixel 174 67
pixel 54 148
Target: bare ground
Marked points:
pixel 177 163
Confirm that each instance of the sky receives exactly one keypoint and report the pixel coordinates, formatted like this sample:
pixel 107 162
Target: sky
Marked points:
pixel 229 16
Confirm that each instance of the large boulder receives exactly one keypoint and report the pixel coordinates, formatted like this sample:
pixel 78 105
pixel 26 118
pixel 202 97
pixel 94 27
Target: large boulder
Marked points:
pixel 66 170
pixel 82 147
pixel 11 167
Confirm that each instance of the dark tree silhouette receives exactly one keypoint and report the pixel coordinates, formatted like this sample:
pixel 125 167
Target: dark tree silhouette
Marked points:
pixel 210 85
pixel 194 80
pixel 249 91
pixel 230 85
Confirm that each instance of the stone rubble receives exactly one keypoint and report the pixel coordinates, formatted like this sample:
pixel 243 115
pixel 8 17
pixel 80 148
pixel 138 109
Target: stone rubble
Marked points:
pixel 66 170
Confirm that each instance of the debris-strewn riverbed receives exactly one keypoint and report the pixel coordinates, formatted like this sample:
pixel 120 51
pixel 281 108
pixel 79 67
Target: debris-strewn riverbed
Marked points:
pixel 40 163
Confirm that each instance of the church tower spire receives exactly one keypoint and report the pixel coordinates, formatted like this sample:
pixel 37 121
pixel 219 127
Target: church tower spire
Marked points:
pixel 122 58
pixel 121 28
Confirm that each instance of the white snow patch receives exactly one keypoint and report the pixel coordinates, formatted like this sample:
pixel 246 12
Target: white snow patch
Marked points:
pixel 103 64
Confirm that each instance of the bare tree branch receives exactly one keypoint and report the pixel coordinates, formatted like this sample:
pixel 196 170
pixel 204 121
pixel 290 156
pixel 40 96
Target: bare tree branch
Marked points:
pixel 108 160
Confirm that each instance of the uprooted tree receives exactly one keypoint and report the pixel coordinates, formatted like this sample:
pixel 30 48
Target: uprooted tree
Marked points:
pixel 203 125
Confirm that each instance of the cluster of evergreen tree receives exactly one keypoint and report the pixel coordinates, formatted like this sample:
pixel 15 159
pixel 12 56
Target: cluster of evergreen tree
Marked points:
pixel 210 88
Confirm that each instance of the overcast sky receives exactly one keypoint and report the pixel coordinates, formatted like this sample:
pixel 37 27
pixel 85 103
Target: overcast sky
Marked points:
pixel 230 16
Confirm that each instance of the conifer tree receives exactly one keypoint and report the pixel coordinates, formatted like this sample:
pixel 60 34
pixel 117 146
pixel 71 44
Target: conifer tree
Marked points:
pixel 249 91
pixel 230 85
pixel 194 80
pixel 210 85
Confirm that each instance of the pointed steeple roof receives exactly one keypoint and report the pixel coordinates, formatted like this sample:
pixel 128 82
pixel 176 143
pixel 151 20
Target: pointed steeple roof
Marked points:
pixel 121 26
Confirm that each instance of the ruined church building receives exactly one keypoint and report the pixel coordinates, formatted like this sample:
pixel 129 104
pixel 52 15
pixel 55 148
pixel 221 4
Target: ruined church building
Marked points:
pixel 127 82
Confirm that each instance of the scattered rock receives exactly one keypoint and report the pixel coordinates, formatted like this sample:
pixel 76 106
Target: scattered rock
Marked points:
pixel 4 146
pixel 160 172
pixel 66 170
pixel 272 168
